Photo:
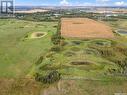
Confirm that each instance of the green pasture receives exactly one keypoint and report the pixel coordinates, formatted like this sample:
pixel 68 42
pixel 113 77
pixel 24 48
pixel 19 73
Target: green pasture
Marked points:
pixel 17 54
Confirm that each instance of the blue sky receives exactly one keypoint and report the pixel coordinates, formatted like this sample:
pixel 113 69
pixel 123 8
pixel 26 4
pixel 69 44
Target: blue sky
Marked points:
pixel 72 2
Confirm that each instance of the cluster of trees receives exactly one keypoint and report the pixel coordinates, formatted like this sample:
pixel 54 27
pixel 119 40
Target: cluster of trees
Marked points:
pixel 52 77
pixel 51 15
pixel 110 19
pixel 56 38
pixel 122 17
pixel 56 48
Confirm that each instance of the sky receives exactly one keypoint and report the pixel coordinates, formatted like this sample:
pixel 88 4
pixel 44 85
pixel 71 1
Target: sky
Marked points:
pixel 71 2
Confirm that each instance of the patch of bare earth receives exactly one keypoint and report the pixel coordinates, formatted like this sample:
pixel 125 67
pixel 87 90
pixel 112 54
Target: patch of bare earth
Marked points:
pixel 19 87
pixel 63 87
pixel 84 28
pixel 85 87
pixel 38 35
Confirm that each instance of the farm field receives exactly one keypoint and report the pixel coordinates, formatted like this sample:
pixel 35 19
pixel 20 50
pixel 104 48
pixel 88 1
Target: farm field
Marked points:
pixel 84 28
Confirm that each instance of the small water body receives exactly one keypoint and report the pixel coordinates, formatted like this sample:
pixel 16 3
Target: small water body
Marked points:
pixel 124 32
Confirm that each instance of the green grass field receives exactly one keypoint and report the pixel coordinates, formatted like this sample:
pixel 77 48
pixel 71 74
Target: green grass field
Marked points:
pixel 17 55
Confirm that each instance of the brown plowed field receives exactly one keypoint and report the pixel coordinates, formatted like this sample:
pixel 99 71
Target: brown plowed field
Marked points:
pixel 84 28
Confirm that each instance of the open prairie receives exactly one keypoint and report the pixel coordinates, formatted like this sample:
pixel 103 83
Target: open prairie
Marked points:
pixel 84 28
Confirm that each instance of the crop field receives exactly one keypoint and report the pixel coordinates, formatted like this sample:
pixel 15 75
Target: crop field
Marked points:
pixel 84 28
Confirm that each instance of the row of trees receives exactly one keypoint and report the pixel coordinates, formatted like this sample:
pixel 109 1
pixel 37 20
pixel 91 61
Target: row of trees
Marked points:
pixel 57 40
pixel 36 16
pixel 54 75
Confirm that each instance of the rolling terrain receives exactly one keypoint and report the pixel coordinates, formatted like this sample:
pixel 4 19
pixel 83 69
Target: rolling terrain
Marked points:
pixel 31 50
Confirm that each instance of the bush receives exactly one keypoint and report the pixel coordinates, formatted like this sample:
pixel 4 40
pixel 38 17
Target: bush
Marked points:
pixel 49 55
pixel 63 43
pixel 56 39
pixel 52 77
pixel 56 48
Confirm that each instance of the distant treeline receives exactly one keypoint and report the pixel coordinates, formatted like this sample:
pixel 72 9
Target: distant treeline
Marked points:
pixel 36 17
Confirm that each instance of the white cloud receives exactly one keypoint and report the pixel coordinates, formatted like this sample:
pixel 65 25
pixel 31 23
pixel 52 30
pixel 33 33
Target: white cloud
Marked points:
pixel 102 0
pixel 64 3
pixel 121 3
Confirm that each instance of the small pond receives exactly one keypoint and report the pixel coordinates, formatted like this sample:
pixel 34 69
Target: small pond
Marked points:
pixel 122 32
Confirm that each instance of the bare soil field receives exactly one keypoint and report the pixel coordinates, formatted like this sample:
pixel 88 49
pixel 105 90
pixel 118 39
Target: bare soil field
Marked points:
pixel 84 28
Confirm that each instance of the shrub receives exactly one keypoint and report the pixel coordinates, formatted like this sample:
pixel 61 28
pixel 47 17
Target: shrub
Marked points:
pixel 56 39
pixel 49 55
pixel 52 77
pixel 56 48
pixel 63 43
